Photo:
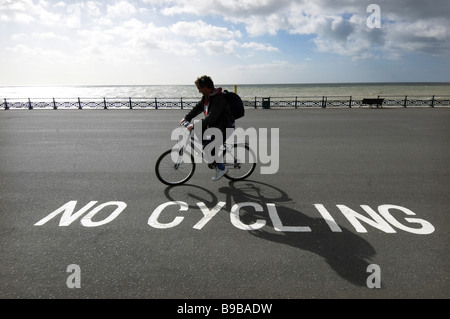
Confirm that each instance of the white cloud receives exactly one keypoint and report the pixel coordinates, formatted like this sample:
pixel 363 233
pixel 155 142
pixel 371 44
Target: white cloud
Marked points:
pixel 17 11
pixel 219 47
pixel 121 9
pixel 338 26
pixel 270 66
pixel 200 29
pixel 256 46
pixel 93 8
pixel 40 54
pixel 38 35
pixel 248 33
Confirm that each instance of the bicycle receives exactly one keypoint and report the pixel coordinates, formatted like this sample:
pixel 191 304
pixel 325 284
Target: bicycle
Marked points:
pixel 177 166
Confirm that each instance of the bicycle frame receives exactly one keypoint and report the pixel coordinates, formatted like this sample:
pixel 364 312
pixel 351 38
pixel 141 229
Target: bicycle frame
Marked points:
pixel 194 148
pixel 177 165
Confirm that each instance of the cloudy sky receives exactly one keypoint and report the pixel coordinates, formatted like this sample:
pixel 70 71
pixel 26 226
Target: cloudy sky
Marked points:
pixel 90 42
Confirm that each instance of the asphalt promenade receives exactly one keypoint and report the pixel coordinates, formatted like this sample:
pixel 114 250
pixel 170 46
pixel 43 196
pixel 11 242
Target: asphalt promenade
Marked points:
pixel 359 208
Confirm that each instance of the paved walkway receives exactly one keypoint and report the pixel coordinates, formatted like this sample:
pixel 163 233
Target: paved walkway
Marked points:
pixel 360 201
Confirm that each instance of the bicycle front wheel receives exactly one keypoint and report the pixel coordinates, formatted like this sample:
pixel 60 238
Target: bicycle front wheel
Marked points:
pixel 176 169
pixel 241 162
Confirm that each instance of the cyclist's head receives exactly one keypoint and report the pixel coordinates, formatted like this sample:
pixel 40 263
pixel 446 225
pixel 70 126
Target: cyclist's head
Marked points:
pixel 204 81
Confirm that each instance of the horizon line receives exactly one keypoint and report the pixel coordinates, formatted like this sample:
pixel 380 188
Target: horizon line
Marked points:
pixel 238 84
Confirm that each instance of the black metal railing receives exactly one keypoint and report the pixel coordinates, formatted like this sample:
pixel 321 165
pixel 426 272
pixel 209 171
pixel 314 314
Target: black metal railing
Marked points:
pixel 256 102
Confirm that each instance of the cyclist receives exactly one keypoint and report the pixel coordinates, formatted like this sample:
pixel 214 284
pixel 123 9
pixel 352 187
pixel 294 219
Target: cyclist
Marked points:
pixel 217 114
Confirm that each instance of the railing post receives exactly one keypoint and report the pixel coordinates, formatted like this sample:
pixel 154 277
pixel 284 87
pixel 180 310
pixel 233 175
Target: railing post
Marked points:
pixel 181 103
pixel 6 105
pixel 406 100
pixel 432 101
pixel 324 103
pixel 104 103
pixel 79 104
pixel 131 106
pixel 350 103
pixel 295 102
pixel 54 104
pixel 156 103
pixel 30 107
pixel 255 102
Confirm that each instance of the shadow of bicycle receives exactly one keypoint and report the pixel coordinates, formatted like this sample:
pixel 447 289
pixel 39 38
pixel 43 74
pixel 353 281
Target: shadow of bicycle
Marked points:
pixel 346 253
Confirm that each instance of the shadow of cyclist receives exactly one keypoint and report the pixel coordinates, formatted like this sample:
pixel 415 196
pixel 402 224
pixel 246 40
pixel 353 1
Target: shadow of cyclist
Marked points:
pixel 346 253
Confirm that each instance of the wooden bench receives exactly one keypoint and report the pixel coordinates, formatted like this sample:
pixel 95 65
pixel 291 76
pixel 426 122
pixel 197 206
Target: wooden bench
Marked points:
pixel 378 102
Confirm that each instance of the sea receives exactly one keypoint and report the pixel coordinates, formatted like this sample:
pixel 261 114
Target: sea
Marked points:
pixel 246 91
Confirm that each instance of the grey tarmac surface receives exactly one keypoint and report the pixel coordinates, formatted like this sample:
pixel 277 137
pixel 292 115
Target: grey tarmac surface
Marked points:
pixel 345 162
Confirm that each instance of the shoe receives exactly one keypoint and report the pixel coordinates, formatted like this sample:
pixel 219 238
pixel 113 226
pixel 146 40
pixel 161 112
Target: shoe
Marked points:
pixel 220 173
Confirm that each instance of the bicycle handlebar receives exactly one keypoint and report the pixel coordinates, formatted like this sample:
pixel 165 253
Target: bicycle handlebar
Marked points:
pixel 185 123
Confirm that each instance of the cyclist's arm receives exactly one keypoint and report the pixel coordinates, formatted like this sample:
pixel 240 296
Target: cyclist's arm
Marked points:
pixel 196 110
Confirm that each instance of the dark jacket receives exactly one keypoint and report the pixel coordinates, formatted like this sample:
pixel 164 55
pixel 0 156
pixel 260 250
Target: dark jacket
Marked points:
pixel 219 114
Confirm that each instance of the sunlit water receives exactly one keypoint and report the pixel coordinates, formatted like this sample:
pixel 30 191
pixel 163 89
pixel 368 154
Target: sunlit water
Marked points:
pixel 356 91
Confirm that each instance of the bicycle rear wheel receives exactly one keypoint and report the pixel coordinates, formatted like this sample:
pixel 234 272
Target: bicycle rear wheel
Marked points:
pixel 174 173
pixel 241 162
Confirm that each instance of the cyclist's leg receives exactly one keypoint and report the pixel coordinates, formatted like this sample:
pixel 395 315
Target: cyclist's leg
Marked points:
pixel 207 158
pixel 223 137
pixel 221 170
pixel 212 154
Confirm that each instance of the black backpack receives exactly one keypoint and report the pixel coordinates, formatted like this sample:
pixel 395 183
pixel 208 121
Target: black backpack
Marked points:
pixel 236 104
